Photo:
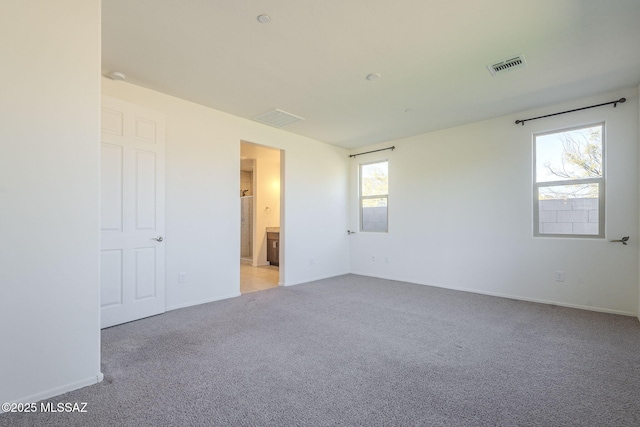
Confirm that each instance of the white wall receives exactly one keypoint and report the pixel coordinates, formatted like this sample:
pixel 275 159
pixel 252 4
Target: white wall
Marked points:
pixel 266 196
pixel 460 213
pixel 49 183
pixel 203 206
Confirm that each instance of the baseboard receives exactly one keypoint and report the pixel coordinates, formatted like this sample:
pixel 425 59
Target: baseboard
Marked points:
pixel 509 296
pixel 60 390
pixel 548 302
pixel 314 279
pixel 204 301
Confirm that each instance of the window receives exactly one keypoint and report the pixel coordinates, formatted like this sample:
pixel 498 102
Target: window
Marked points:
pixel 569 182
pixel 374 192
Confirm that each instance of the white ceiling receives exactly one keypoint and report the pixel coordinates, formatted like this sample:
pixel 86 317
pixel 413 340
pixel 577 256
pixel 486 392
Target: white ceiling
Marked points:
pixel 312 59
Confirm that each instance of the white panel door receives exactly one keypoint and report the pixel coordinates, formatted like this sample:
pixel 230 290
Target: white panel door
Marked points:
pixel 132 212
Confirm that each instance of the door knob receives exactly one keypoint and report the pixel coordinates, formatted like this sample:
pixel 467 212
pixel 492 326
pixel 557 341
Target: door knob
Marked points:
pixel 158 239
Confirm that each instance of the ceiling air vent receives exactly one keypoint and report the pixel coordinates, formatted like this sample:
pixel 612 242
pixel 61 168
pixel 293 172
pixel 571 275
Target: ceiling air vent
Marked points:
pixel 277 118
pixel 507 65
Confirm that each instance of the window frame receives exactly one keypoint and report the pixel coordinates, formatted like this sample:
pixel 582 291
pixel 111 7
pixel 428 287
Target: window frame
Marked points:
pixel 600 181
pixel 361 198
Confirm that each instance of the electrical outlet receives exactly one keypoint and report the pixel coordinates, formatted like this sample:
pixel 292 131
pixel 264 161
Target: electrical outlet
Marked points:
pixel 559 275
pixel 182 277
pixel 386 259
pixel 312 261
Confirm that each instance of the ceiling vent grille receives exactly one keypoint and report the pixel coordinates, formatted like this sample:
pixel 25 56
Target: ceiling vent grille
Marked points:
pixel 507 65
pixel 277 118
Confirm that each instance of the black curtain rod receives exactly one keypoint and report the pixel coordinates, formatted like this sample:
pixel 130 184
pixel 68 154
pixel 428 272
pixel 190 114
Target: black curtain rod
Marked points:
pixel 374 151
pixel 615 104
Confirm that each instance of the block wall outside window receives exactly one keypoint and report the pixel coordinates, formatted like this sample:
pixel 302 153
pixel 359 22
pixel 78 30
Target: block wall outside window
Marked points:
pixel 571 216
pixel 374 218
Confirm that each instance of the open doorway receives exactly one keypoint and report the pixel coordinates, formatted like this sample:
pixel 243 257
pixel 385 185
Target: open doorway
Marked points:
pixel 260 217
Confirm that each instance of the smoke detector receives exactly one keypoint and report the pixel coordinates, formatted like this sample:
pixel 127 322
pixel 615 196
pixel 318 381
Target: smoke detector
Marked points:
pixel 507 65
pixel 264 19
pixel 116 75
pixel 277 118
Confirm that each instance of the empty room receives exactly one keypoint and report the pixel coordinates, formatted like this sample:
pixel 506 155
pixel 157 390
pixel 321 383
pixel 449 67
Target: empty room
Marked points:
pixel 320 213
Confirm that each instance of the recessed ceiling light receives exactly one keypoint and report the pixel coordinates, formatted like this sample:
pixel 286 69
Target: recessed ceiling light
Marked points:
pixel 263 19
pixel 373 76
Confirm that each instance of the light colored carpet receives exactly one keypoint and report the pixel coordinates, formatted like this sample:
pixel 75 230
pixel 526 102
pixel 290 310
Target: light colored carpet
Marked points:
pixel 360 351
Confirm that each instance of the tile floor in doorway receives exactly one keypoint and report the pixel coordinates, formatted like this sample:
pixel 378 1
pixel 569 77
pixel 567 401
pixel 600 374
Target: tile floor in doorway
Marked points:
pixel 254 279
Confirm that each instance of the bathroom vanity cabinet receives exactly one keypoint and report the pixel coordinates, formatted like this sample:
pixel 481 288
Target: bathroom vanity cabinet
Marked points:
pixel 273 248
